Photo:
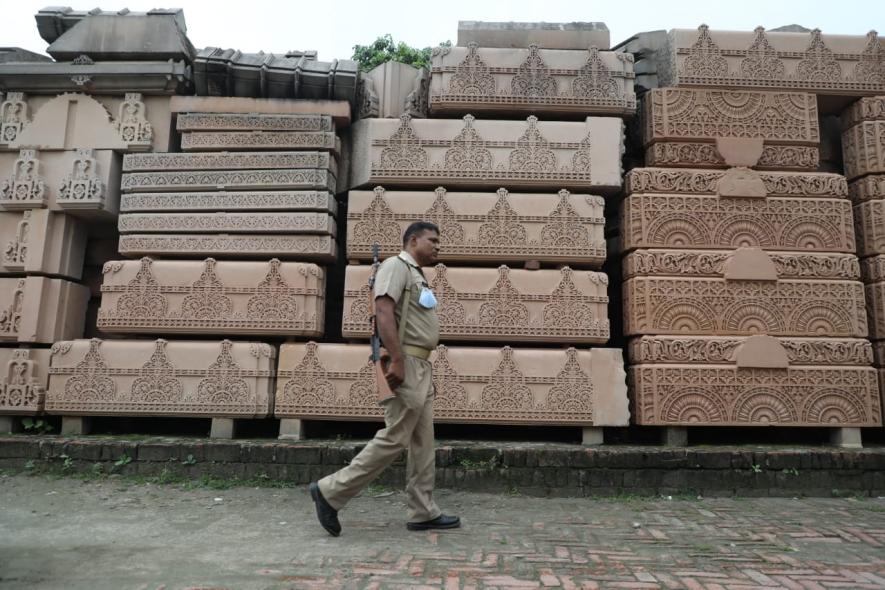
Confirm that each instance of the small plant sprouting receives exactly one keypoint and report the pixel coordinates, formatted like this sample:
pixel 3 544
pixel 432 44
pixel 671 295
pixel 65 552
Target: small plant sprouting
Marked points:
pixel 36 426
pixel 189 460
pixel 756 468
pixel 123 461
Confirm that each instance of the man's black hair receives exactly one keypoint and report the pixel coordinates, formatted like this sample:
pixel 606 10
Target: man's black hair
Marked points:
pixel 417 228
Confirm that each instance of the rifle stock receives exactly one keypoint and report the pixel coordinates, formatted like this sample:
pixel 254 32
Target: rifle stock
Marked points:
pixel 379 356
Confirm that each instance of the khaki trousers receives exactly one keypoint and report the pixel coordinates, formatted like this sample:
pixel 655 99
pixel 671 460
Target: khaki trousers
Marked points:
pixel 409 425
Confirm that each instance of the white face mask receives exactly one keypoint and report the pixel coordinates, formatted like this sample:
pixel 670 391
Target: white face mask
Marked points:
pixel 427 299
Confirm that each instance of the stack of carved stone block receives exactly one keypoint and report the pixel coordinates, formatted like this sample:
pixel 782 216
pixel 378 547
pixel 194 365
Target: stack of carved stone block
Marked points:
pixel 510 197
pixel 742 293
pixel 863 147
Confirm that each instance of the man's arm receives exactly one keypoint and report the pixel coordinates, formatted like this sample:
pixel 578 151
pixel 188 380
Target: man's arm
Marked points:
pixel 385 317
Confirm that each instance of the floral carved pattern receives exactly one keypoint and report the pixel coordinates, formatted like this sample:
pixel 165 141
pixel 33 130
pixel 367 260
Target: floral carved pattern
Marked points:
pixel 13 117
pixel 403 150
pixel 705 58
pixel 448 391
pixel 871 67
pixel 820 64
pixel 507 389
pixel 467 151
pixel 450 310
pixel 10 318
pixel 533 78
pixel 223 385
pixel 16 252
pixel 206 300
pixel 503 307
pixel 444 217
pixel 20 390
pixel 131 124
pixel 503 225
pixel 572 389
pixel 312 387
pixel 762 60
pixel 595 80
pixel 274 299
pixel 83 184
pixel 143 298
pixel 533 151
pixel 156 384
pixel 472 76
pixel 90 381
pixel 25 187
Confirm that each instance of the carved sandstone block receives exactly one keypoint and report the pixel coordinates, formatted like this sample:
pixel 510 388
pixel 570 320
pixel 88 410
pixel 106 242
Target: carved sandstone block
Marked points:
pixel 531 80
pixel 735 182
pixel 775 223
pixel 484 385
pixel 295 179
pixel 159 378
pixel 298 247
pixel 229 222
pixel 337 109
pixel 83 181
pixel 500 305
pixel 823 64
pixel 37 309
pixel 863 149
pixel 391 89
pixel 714 263
pixel 726 395
pixel 869 220
pixel 37 241
pixel 482 227
pixel 729 349
pixel 230 201
pixel 260 140
pixel 879 354
pixel 24 375
pixel 488 154
pixel 209 297
pixel 867 188
pixel 253 122
pixel 230 161
pixel 694 154
pixel 749 297
pixel 871 108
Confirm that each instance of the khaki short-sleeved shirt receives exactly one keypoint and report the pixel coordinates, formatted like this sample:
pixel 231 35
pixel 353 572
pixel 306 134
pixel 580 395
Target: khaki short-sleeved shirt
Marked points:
pixel 393 279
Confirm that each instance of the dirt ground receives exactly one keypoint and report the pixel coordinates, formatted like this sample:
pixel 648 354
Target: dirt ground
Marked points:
pixel 117 534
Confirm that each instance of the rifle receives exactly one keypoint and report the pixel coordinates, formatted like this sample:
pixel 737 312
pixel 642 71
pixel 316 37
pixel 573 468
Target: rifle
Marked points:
pixel 378 358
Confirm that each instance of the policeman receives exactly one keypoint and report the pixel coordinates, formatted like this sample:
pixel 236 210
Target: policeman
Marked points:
pixel 400 288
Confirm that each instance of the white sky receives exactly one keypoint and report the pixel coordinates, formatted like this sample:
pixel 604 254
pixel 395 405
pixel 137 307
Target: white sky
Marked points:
pixel 332 27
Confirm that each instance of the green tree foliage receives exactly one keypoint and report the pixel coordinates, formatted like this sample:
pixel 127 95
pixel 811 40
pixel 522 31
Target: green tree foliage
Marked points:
pixel 384 49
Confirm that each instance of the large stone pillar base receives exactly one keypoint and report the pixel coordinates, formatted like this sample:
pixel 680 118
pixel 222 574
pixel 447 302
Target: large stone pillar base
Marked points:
pixel 592 435
pixel 75 425
pixel 291 429
pixel 674 436
pixel 223 428
pixel 846 438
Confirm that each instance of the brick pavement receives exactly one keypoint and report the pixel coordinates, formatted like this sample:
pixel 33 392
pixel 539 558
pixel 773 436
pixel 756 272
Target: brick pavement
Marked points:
pixel 70 534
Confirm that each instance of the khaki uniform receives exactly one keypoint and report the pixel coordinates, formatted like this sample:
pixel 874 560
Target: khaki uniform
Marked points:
pixel 408 416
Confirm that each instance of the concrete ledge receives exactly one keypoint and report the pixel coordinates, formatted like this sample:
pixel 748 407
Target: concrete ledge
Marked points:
pixel 542 469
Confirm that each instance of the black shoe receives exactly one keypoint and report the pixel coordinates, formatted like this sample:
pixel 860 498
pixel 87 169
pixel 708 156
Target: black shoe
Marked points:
pixel 327 515
pixel 440 522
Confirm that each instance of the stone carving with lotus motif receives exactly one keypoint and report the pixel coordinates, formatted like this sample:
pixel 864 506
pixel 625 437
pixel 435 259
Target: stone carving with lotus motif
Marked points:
pixel 160 378
pixel 290 247
pixel 500 305
pixel 487 154
pixel 209 297
pixel 823 64
pixel 481 385
pixel 482 227
pixel 24 375
pixel 776 223
pixel 475 79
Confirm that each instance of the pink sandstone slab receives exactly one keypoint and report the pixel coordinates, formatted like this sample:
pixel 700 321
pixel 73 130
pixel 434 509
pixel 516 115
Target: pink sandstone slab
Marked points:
pixel 500 305
pixel 391 89
pixel 695 154
pixel 488 154
pixel 873 270
pixel 867 188
pixel 71 121
pixel 863 149
pixel 230 161
pixel 870 108
pixel 725 395
pixel 37 241
pixel 253 122
pixel 705 115
pixel 483 385
pixel 339 110
pixel 735 182
pixel 160 378
pixel 302 247
pixel 212 297
pixel 530 80
pixel 24 375
pixel 571 35
pixel 260 140
pixel 712 350
pixel 749 297
pixel 714 263
pixel 776 223
pixel 83 182
pixel 229 180
pixel 280 222
pixel 233 201
pixel 483 228
pixel 869 217
pixel 823 64
pixel 41 310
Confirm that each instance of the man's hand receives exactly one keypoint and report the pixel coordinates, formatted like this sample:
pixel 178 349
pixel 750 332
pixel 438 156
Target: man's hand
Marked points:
pixel 395 373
